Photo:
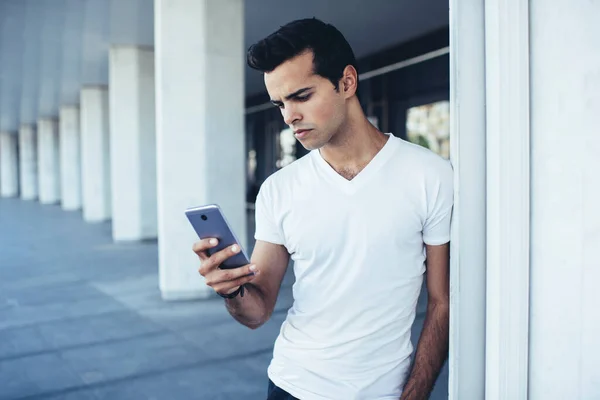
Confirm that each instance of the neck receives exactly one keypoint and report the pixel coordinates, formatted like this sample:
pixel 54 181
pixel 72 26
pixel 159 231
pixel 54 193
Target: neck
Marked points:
pixel 356 143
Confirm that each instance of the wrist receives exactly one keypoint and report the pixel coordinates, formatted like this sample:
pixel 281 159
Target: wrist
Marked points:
pixel 233 293
pixel 232 290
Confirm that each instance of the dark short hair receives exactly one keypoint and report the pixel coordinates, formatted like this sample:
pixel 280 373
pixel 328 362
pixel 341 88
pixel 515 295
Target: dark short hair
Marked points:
pixel 331 52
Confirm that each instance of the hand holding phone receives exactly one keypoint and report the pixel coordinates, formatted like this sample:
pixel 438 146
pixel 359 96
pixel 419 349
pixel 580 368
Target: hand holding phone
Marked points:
pixel 209 222
pixel 224 264
pixel 223 281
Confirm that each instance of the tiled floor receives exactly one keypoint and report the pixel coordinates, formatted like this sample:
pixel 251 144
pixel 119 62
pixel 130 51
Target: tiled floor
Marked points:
pixel 82 318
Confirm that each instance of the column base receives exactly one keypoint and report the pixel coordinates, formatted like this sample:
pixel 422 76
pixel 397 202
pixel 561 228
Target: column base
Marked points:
pixel 9 165
pixel 93 219
pixel 183 295
pixel 49 202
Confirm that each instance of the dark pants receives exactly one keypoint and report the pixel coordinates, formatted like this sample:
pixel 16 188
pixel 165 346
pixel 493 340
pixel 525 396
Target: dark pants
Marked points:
pixel 277 393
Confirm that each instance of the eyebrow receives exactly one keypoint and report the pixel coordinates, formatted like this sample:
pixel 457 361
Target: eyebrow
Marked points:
pixel 293 95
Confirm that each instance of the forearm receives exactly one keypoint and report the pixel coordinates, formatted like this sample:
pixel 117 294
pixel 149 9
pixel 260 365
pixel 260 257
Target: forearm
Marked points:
pixel 431 354
pixel 250 310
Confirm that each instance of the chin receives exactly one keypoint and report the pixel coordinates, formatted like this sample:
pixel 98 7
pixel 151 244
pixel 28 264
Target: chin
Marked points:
pixel 311 145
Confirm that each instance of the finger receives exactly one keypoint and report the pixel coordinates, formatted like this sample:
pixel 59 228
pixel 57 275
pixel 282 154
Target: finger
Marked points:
pixel 201 247
pixel 219 257
pixel 214 261
pixel 208 267
pixel 222 276
pixel 227 286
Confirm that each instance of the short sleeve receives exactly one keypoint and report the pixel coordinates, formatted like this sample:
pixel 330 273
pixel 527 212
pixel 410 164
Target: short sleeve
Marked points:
pixel 267 229
pixel 440 201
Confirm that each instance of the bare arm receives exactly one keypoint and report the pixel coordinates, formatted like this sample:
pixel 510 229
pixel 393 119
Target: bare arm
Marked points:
pixel 432 349
pixel 261 279
pixel 258 303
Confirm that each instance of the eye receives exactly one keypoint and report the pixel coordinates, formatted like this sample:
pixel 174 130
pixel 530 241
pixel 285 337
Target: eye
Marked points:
pixel 303 98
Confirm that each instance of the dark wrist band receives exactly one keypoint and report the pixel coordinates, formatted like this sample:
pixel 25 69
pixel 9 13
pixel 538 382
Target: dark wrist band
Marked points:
pixel 232 295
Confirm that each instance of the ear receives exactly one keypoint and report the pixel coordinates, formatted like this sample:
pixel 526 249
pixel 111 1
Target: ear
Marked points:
pixel 349 82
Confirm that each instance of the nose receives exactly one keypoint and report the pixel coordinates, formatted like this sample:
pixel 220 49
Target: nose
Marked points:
pixel 290 115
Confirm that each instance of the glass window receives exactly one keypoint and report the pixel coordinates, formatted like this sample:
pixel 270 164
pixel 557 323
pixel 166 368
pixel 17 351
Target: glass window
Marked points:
pixel 287 148
pixel 251 166
pixel 428 125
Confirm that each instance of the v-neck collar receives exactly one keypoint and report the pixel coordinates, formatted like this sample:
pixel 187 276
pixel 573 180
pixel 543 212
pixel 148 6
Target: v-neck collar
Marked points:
pixel 351 186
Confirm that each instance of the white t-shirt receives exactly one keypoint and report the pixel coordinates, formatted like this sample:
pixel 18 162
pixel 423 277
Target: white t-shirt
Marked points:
pixel 358 251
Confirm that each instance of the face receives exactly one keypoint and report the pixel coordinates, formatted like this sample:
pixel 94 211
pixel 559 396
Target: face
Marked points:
pixel 309 103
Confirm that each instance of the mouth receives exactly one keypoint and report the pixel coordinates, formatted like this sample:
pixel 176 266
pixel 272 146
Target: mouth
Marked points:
pixel 301 133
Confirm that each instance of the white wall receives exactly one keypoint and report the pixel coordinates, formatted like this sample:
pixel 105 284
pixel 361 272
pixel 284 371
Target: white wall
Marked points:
pixel 565 200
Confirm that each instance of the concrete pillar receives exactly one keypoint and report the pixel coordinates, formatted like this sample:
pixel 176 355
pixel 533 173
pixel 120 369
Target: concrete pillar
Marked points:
pixel 95 154
pixel 28 162
pixel 70 160
pixel 200 129
pixel 564 322
pixel 132 142
pixel 48 162
pixel 9 165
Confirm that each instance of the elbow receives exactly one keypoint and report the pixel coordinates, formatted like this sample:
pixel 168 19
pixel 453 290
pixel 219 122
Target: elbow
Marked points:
pixel 255 324
pixel 438 301
pixel 258 322
pixel 440 307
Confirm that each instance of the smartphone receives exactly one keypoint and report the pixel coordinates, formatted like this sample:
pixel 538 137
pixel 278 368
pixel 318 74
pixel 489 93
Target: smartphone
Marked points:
pixel 209 222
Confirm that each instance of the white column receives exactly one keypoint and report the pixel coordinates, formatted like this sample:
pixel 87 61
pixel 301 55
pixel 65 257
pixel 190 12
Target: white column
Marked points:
pixel 95 154
pixel 28 162
pixel 70 163
pixel 564 345
pixel 466 363
pixel 507 198
pixel 200 129
pixel 132 142
pixel 48 162
pixel 9 165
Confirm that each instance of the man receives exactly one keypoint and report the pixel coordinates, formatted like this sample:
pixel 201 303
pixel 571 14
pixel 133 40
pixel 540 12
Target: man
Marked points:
pixel 364 216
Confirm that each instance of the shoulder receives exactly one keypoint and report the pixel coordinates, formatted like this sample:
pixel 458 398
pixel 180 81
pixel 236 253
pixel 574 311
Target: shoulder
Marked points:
pixel 424 162
pixel 282 181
